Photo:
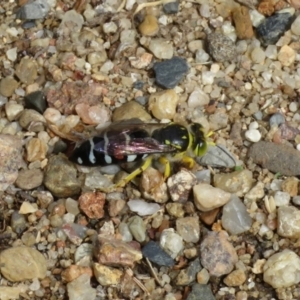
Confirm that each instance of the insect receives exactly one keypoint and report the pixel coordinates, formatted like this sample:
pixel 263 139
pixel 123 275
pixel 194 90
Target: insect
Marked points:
pixel 135 141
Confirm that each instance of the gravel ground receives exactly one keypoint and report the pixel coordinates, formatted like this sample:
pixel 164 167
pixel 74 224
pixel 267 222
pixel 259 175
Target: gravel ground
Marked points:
pixel 227 227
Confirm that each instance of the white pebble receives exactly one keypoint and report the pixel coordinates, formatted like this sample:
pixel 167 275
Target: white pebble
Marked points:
pixel 248 86
pixel 253 125
pixel 253 135
pixel 12 54
pixel 256 17
pixel 293 107
pixel 142 207
pixel 208 77
pixel 282 198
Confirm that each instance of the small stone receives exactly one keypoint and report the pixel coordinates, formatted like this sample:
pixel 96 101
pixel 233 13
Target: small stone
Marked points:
pixel 171 8
pixel 30 119
pixel 143 208
pixel 8 86
pixel 157 255
pixel 29 179
pixel 271 29
pixel 13 110
pixel 170 72
pixel 277 158
pixel 189 229
pixel 282 269
pixel 288 222
pixel 60 177
pixel 36 150
pixel 243 23
pixel 116 206
pixel 171 242
pixel 18 222
pixel 80 288
pixel 180 185
pixel 22 263
pixel 141 61
pixel 74 271
pixel 198 98
pixel 203 276
pixel 37 101
pixel 290 186
pixel 137 228
pixel 12 54
pixel 27 208
pixel 93 115
pixel 201 291
pixel 253 135
pixel 92 203
pixel 238 182
pixel 161 48
pixel 209 217
pixel 33 10
pixel 258 55
pixel 207 197
pixel 72 206
pixel 10 160
pixel 201 56
pixel 281 198
pixel 130 110
pixel 26 70
pixel 295 28
pixel 235 218
pixel 218 255
pixel 286 56
pixel 96 180
pixel 149 27
pixel 75 232
pixel 221 47
pixel 12 293
pixel 277 119
pixel 125 232
pixel 235 278
pixel 163 104
pixel 107 276
pixel 188 275
pixel 112 252
pixel 175 209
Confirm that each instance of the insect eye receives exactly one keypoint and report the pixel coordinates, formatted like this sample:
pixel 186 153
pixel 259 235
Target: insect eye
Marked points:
pixel 201 148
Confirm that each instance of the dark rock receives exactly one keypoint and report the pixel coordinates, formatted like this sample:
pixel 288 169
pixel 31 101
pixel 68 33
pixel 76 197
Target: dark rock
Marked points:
pixel 33 10
pixel 61 177
pixel 188 275
pixel 221 47
pixel 157 255
pixel 170 72
pixel 272 28
pixel 60 146
pixel 171 8
pixel 37 101
pixel 28 24
pixel 138 84
pixel 277 158
pixel 201 291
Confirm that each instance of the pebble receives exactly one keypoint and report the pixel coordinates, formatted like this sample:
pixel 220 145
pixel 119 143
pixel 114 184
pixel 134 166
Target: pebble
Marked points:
pixel 137 228
pixel 29 179
pixel 290 186
pixel 163 104
pixel 180 185
pixel 258 55
pixel 198 98
pixel 80 288
pixel 157 255
pixel 175 209
pixel 235 278
pixel 188 275
pixel 235 218
pixel 170 72
pixel 171 7
pixel 218 255
pixel 281 198
pixel 12 293
pixel 272 28
pixel 30 119
pixel 96 180
pixel 125 232
pixel 143 208
pixel 107 276
pixel 60 177
pixel 22 263
pixel 201 291
pixel 75 232
pixel 286 55
pixel 37 101
pixel 93 115
pixel 207 197
pixel 161 48
pixel 218 157
pixel 288 222
pixel 253 135
pixel 277 158
pixel 149 27
pixel 84 254
pixel 171 242
pixel 130 110
pixel 201 56
pixel 27 208
pixel 18 222
pixel 36 150
pixel 189 229
pixel 116 206
pixel 256 17
pixel 74 271
pixel 26 70
pixel 13 110
pixel 71 21
pixel 237 182
pixel 33 10
pixel 72 206
pixel 92 203
pixel 221 47
pixel 10 159
pixel 243 23
pixel 203 276
pixel 113 252
pixel 8 86
pixel 276 120
pixel 282 269
pixel 295 28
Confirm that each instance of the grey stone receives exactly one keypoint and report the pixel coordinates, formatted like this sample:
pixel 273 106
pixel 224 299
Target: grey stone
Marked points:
pixel 201 291
pixel 34 10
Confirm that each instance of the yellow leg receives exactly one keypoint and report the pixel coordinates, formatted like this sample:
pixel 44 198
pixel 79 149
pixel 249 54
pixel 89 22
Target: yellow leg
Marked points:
pixel 164 161
pixel 188 161
pixel 135 173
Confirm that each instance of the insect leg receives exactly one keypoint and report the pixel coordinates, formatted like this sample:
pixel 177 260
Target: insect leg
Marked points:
pixel 188 161
pixel 135 173
pixel 164 161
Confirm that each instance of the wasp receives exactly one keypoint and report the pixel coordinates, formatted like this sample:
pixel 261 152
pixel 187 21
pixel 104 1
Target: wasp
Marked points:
pixel 134 141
